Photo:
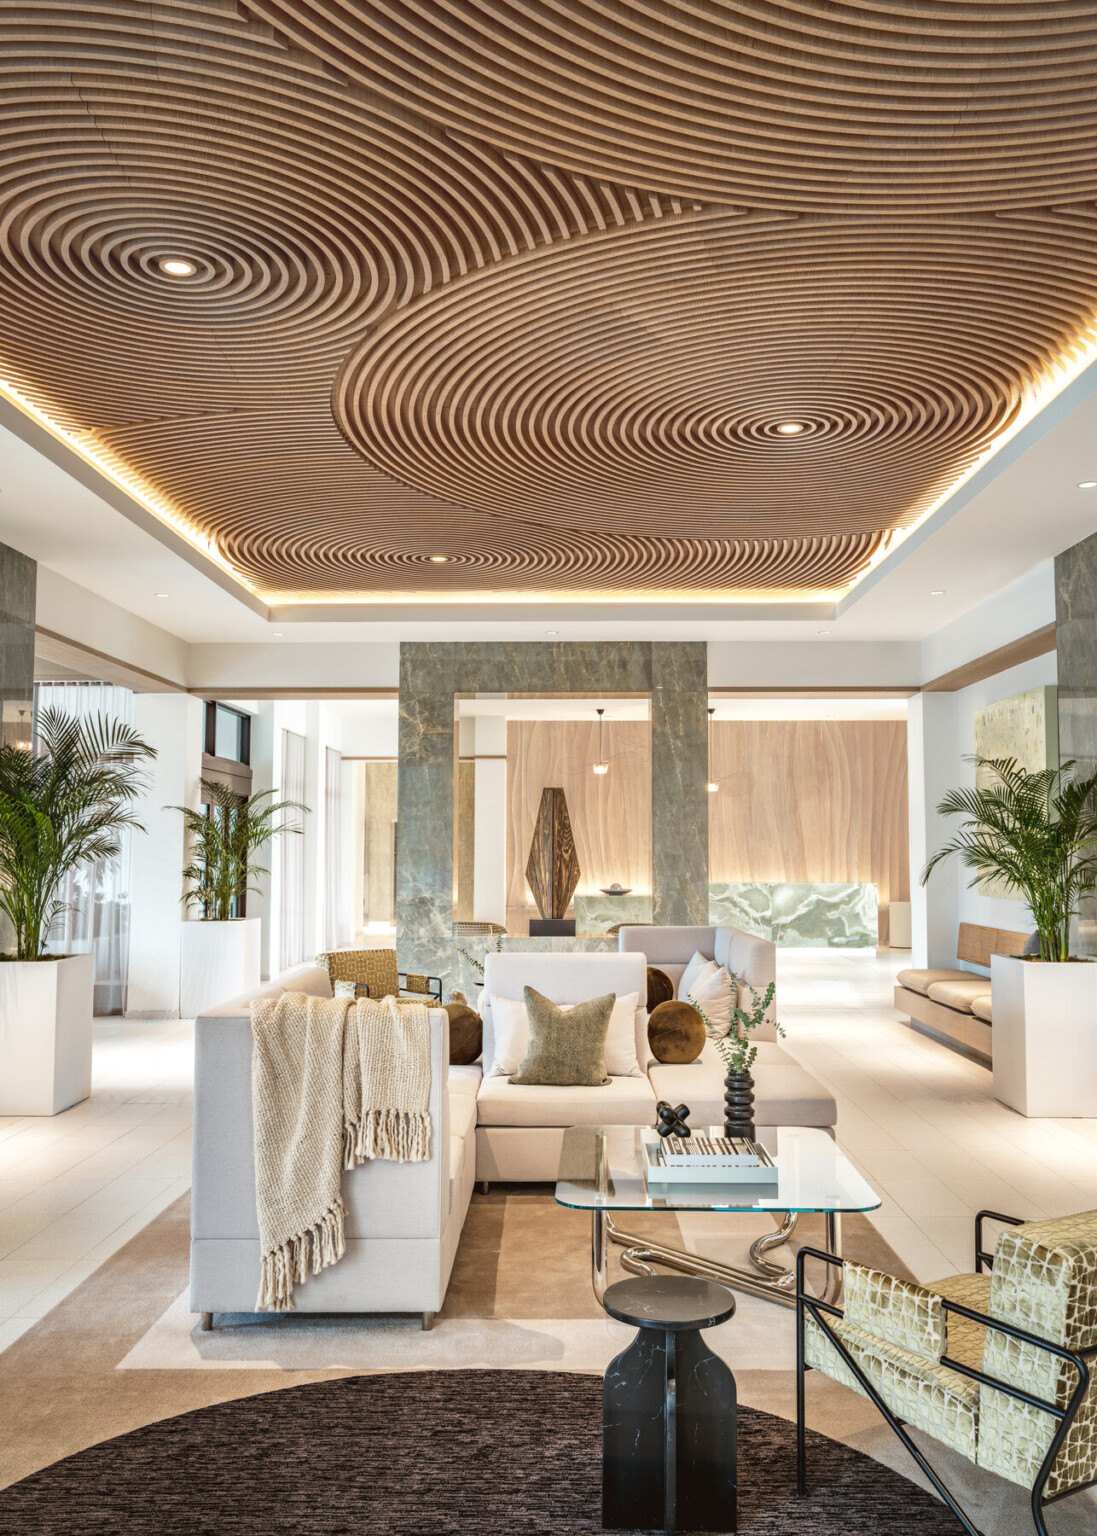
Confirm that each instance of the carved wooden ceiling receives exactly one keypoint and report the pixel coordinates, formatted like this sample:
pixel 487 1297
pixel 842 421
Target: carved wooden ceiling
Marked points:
pixel 534 286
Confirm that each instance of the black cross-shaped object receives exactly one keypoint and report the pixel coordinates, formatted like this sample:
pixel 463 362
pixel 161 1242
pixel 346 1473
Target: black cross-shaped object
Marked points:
pixel 672 1122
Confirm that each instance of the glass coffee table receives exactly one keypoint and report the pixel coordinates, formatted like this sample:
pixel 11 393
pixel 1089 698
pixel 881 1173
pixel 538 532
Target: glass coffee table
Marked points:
pixel 602 1171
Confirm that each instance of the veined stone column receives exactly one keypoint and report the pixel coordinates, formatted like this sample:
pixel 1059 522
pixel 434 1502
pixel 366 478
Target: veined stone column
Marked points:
pixel 679 783
pixel 1076 645
pixel 424 816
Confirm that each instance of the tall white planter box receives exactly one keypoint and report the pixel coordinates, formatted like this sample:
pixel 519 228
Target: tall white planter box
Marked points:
pixel 45 1034
pixel 1045 1036
pixel 218 961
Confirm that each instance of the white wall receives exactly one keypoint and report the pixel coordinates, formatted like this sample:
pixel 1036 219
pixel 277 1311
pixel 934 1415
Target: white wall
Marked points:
pixel 814 663
pixel 81 616
pixel 489 857
pixel 291 664
pixel 172 723
pixel 1027 605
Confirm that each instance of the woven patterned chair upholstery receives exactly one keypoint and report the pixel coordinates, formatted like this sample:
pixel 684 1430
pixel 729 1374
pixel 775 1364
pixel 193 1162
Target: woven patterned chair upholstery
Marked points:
pixel 374 973
pixel 1043 1283
pixel 477 930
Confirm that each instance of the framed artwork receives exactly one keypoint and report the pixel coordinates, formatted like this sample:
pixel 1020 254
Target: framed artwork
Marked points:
pixel 1025 727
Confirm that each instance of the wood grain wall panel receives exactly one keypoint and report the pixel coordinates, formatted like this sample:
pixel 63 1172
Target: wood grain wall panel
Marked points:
pixel 610 813
pixel 808 800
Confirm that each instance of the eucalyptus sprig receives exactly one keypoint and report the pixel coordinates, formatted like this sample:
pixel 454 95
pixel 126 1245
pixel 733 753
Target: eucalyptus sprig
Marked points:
pixel 735 1048
pixel 1036 832
pixel 478 965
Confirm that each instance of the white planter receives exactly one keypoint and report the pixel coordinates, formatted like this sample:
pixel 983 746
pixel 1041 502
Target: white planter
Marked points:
pixel 45 1034
pixel 218 961
pixel 1045 1037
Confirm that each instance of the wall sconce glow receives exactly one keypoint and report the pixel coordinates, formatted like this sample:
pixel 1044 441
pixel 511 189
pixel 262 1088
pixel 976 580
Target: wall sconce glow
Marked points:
pixel 177 266
pixel 790 428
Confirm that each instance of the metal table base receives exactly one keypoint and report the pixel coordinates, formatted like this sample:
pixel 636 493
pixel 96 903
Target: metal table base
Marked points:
pixel 771 1281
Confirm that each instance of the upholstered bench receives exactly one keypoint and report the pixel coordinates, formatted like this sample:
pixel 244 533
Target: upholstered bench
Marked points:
pixel 956 1004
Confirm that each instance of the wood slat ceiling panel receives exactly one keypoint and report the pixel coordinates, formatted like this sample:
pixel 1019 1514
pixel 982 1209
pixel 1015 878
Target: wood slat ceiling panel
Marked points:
pixel 532 286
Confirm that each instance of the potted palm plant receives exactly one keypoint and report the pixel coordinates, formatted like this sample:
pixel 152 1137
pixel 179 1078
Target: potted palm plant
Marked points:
pixel 64 802
pixel 221 953
pixel 1037 834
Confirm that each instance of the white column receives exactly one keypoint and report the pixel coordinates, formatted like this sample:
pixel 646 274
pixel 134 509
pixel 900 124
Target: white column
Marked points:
pixel 314 832
pixel 489 857
pixel 933 768
pixel 172 723
pixel 264 743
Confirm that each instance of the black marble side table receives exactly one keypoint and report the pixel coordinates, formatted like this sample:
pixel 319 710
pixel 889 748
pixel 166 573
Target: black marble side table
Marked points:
pixel 668 1410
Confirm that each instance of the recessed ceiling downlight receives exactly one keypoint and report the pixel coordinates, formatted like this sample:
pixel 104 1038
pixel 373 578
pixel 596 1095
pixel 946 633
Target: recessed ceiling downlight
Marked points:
pixel 438 559
pixel 1087 485
pixel 790 428
pixel 177 266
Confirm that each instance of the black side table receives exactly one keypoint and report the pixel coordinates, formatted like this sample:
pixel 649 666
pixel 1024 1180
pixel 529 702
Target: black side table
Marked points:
pixel 668 1411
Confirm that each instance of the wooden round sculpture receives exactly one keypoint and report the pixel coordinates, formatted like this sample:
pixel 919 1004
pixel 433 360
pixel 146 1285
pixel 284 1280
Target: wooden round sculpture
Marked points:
pixel 660 987
pixel 466 1034
pixel 676 1032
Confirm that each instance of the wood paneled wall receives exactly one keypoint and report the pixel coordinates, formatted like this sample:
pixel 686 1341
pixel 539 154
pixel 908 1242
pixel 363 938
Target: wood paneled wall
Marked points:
pixel 811 800
pixel 610 813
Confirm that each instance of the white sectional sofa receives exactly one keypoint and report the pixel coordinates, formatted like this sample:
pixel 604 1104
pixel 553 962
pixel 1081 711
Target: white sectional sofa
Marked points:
pixel 405 1219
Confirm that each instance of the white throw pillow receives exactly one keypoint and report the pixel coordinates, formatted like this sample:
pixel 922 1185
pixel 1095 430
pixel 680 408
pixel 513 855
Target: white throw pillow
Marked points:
pixel 692 971
pixel 510 1027
pixel 717 993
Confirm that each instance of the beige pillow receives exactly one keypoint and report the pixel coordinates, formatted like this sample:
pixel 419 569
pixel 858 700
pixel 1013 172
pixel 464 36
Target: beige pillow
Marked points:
pixel 510 1028
pixel 716 993
pixel 698 964
pixel 567 1046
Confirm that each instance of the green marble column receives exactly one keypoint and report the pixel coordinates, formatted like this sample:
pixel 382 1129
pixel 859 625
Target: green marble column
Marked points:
pixel 1076 644
pixel 679 783
pixel 18 582
pixel 431 675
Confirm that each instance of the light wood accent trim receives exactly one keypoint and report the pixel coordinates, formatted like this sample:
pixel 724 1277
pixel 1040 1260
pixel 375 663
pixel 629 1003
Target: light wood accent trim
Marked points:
pixel 1038 642
pixel 244 692
pixel 976 944
pixel 811 800
pixel 796 691
pixel 99 665
pixel 973 1035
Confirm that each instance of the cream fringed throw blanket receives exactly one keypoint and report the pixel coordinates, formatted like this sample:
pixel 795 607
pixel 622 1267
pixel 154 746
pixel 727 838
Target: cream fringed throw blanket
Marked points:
pixel 333 1082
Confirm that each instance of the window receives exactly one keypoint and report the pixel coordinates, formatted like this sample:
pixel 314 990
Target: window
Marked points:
pixel 228 733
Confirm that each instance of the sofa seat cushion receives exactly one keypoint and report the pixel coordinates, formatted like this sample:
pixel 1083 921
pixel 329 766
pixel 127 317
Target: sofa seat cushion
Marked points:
pixel 784 1094
pixel 959 994
pixel 980 1007
pixel 462 1115
pixel 621 1101
pixel 465 1080
pixel 922 980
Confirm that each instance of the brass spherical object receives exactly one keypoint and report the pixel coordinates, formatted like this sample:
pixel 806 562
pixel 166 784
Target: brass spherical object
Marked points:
pixel 466 1034
pixel 660 987
pixel 676 1032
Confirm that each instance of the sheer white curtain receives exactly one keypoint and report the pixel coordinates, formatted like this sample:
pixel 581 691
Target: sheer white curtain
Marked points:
pixel 96 913
pixel 291 908
pixel 334 923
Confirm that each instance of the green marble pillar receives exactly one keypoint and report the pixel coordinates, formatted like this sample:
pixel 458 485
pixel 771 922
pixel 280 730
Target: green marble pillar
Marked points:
pixel 18 581
pixel 432 675
pixel 1076 645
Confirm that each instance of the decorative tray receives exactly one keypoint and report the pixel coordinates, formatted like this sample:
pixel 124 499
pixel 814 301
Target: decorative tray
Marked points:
pixel 659 1173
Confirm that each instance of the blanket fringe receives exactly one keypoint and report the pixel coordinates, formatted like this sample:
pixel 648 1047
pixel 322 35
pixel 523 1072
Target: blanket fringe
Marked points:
pixel 291 1262
pixel 399 1134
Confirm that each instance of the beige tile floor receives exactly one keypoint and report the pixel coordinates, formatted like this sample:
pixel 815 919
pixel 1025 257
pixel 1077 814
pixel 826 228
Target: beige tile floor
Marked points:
pixel 920 1121
pixel 76 1187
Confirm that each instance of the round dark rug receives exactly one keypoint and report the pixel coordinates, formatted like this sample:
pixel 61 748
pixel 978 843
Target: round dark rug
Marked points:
pixel 481 1453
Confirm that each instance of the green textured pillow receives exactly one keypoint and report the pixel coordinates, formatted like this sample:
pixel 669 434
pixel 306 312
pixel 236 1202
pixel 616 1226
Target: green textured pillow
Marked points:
pixel 566 1049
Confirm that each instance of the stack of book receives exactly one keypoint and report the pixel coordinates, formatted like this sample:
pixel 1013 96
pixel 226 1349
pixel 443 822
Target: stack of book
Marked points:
pixel 709 1152
pixel 705 1159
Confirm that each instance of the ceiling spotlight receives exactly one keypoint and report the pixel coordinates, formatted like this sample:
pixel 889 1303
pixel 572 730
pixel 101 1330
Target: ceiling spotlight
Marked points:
pixel 1087 485
pixel 278 635
pixel 937 592
pixel 552 632
pixel 790 428
pixel 163 594
pixel 823 631
pixel 439 559
pixel 177 266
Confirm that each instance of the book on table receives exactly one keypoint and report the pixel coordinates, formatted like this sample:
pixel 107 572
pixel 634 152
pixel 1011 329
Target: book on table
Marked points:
pixel 710 1152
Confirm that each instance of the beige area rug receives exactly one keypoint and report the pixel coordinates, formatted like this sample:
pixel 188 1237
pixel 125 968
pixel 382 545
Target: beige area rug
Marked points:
pixel 123 1350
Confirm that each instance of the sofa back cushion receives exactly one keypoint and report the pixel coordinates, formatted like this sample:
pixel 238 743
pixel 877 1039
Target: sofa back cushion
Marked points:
pixel 564 978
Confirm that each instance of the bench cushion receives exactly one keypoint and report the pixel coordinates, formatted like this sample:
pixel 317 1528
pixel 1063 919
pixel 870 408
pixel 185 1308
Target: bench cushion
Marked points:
pixel 980 1007
pixel 959 994
pixel 922 980
pixel 621 1101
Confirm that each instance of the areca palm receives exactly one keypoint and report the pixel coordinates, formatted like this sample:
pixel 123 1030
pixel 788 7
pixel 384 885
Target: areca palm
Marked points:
pixel 224 843
pixel 1037 833
pixel 63 804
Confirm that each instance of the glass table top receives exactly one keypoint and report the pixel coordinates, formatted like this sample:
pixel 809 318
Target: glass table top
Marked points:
pixel 602 1169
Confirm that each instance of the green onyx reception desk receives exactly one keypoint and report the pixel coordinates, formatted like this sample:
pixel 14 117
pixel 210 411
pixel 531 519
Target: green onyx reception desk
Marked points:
pixel 800 915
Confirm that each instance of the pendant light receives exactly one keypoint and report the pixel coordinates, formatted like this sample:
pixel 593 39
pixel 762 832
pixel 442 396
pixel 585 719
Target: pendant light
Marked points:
pixel 713 784
pixel 601 766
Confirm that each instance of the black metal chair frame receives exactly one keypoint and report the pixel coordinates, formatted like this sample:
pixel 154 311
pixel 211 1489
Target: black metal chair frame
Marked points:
pixel 808 1303
pixel 361 988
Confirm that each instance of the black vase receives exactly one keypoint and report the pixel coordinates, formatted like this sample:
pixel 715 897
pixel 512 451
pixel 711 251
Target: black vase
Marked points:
pixel 739 1105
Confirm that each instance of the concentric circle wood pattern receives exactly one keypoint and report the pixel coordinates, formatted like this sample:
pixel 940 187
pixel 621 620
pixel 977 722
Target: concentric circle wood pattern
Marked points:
pixel 534 286
pixel 773 103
